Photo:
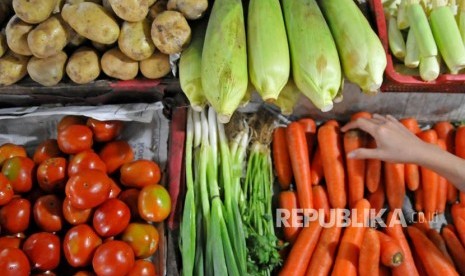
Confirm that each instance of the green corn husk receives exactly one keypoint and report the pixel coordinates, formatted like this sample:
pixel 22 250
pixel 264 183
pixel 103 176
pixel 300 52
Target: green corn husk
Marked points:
pixel 316 67
pixel 288 98
pixel 362 55
pixel 190 70
pixel 402 18
pixel 412 55
pixel 268 51
pixel 224 58
pixel 396 40
pixel 429 68
pixel 461 20
pixel 421 29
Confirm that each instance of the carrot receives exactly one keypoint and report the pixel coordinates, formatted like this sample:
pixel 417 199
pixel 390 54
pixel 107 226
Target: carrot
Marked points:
pixel 418 264
pixel 329 139
pixel 457 211
pixel 354 139
pixel 309 127
pixel 281 159
pixel 373 169
pixel 431 257
pixel 411 124
pixel 395 230
pixel 437 239
pixel 384 270
pixel 422 223
pixel 442 185
pixel 316 170
pixel 361 114
pixel 332 123
pixel 377 199
pixel 462 198
pixel 288 201
pixel 452 193
pixel 456 249
pixel 302 250
pixel 429 179
pixel 460 226
pixel 391 252
pixel 412 174
pixel 297 146
pixel 349 248
pixel 418 194
pixel 320 200
pixel 460 142
pixel 394 184
pixel 368 262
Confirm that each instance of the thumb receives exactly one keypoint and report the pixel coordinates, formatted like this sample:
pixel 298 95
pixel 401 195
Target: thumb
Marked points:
pixel 363 153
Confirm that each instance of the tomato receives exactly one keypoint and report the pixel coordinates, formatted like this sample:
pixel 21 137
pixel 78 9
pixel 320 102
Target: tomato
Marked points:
pixel 86 160
pixel 15 215
pixel 13 262
pixel 6 191
pixel 113 258
pixel 115 190
pixel 43 250
pixel 79 245
pixel 88 189
pixel 48 213
pixel 111 218
pixel 51 174
pixel 130 197
pixel 19 170
pixel 47 149
pixel 9 150
pixel 74 139
pixel 142 268
pixel 9 242
pixel 143 239
pixel 69 120
pixel 84 273
pixel 104 131
pixel 140 173
pixel 75 216
pixel 115 154
pixel 154 203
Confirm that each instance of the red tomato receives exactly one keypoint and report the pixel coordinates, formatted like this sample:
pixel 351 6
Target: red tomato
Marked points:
pixel 13 262
pixel 104 131
pixel 9 242
pixel 70 120
pixel 9 150
pixel 84 273
pixel 113 258
pixel 6 191
pixel 111 218
pixel 115 190
pixel 43 250
pixel 79 245
pixel 142 268
pixel 15 215
pixel 130 197
pixel 74 139
pixel 140 173
pixel 143 239
pixel 88 189
pixel 51 174
pixel 47 149
pixel 86 160
pixel 19 170
pixel 154 203
pixel 48 213
pixel 115 154
pixel 75 216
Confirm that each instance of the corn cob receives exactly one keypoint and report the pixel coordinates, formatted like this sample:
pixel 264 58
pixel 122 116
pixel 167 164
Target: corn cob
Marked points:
pixel 421 29
pixel 316 67
pixel 429 68
pixel 268 51
pixel 288 98
pixel 224 58
pixel 461 20
pixel 402 18
pixel 396 40
pixel 412 56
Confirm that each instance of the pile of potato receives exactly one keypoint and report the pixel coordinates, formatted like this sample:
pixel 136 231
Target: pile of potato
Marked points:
pixel 49 39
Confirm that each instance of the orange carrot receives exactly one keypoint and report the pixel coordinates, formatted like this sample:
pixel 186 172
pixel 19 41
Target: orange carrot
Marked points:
pixel 361 114
pixel 446 131
pixel 320 200
pixel 368 262
pixel 288 202
pixel 429 179
pixel 462 198
pixel 419 265
pixel 310 133
pixel 347 256
pixel 391 252
pixel 412 174
pixel 460 228
pixel 354 139
pixel 437 239
pixel 411 124
pixel 422 223
pixel 384 270
pixel 332 123
pixel 281 159
pixel 394 184
pixel 418 194
pixel 297 146
pixel 456 248
pixel 442 185
pixel 452 193
pixel 460 142
pixel 329 139
pixel 373 169
pixel 316 170
pixel 457 211
pixel 378 198
pixel 431 257
pixel 298 259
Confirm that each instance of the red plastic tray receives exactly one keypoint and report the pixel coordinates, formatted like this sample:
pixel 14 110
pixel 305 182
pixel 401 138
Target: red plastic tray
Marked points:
pixel 396 82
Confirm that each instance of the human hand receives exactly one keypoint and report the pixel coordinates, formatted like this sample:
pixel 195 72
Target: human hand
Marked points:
pixel 395 143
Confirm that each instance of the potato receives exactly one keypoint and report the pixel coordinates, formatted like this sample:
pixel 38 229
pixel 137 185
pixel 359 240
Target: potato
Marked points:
pixel 151 2
pixel 58 6
pixel 49 37
pixel 13 68
pixel 47 71
pixel 191 9
pixel 170 32
pixel 92 21
pixel 73 2
pixel 102 48
pixel 156 66
pixel 3 45
pixel 34 11
pixel 83 65
pixel 75 39
pixel 130 10
pixel 157 8
pixel 135 40
pixel 117 65
pixel 16 36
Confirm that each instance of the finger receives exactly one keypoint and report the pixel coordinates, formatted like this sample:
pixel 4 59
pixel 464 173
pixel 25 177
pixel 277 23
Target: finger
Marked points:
pixel 379 117
pixel 361 123
pixel 364 153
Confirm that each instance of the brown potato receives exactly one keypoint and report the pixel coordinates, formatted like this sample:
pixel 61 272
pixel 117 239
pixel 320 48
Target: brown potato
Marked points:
pixel 102 47
pixel 191 9
pixel 3 45
pixel 135 40
pixel 13 68
pixel 170 32
pixel 117 65
pixel 34 11
pixel 130 10
pixel 75 39
pixel 16 36
pixel 157 8
pixel 151 2
pixel 49 37
pixel 156 66
pixel 47 71
pixel 83 65
pixel 73 2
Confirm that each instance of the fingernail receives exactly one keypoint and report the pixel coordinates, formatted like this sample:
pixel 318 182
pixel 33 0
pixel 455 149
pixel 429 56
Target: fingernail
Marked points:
pixel 351 155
